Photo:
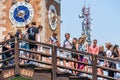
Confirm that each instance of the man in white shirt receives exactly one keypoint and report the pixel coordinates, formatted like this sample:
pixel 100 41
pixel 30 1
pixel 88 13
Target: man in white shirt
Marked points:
pixel 67 44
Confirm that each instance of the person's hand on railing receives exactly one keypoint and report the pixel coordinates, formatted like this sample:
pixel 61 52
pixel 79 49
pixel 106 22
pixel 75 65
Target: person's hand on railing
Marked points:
pixel 118 58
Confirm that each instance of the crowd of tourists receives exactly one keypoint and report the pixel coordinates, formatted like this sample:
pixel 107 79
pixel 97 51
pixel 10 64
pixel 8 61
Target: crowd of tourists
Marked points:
pixel 32 32
pixel 108 50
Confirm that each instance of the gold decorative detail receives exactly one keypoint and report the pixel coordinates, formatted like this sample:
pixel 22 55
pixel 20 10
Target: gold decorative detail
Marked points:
pixel 8 73
pixel 26 72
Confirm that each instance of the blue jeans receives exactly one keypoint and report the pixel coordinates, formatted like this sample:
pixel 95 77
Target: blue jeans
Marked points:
pixel 24 45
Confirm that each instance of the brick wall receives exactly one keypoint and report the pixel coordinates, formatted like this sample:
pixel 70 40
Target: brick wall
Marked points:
pixel 41 17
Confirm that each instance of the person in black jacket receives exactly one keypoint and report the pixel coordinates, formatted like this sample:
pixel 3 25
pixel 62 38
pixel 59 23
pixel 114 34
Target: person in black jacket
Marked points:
pixel 5 47
pixel 115 53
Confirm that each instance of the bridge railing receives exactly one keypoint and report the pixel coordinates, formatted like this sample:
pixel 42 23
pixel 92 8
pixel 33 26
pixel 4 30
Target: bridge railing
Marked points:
pixel 50 59
pixel 3 58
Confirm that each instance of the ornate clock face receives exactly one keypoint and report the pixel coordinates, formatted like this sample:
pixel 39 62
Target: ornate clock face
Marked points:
pixel 21 14
pixel 52 16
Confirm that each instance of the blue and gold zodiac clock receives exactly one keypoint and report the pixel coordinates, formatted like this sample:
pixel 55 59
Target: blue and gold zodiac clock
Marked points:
pixel 21 14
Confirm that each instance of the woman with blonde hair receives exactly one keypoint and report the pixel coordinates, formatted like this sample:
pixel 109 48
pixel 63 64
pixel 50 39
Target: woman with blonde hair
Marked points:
pixel 79 47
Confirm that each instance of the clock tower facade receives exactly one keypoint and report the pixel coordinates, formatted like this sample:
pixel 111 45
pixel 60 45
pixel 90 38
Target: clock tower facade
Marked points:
pixel 16 14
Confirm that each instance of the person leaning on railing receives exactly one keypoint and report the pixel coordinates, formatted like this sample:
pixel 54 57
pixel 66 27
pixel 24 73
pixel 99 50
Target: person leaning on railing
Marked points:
pixel 53 39
pixel 33 35
pixel 101 53
pixel 108 46
pixel 25 36
pixel 82 47
pixel 6 55
pixel 115 53
pixel 24 44
pixel 19 35
pixel 39 48
pixel 68 44
pixel 93 49
pixel 100 61
pixel 74 56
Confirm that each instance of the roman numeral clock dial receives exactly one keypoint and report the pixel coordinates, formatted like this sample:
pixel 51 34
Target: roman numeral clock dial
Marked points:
pixel 21 14
pixel 52 16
